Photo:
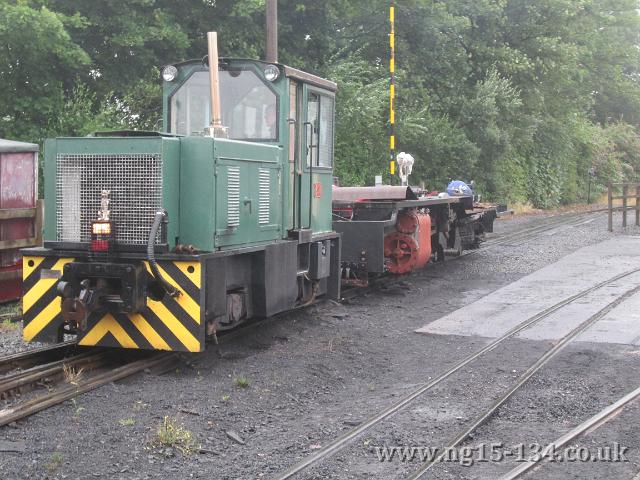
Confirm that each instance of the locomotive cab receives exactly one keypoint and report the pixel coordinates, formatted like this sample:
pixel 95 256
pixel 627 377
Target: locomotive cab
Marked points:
pixel 157 240
pixel 265 105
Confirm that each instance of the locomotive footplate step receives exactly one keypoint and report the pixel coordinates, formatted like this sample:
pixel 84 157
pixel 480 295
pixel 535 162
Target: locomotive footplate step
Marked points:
pixel 498 312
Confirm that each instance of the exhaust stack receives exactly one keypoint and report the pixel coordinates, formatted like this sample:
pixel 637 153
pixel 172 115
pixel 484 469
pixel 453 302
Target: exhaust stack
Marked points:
pixel 215 129
pixel 272 32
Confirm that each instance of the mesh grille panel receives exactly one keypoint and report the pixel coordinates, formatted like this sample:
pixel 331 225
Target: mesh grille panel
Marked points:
pixel 135 182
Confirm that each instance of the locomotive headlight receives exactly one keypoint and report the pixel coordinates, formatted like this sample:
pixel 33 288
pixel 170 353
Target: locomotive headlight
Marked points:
pixel 101 236
pixel 271 73
pixel 101 228
pixel 169 73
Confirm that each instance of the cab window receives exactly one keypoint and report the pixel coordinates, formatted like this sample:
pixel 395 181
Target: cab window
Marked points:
pixel 320 113
pixel 249 107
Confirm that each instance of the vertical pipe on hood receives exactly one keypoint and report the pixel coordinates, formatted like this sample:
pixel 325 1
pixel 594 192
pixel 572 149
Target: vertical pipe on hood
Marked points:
pixel 272 31
pixel 212 42
pixel 215 129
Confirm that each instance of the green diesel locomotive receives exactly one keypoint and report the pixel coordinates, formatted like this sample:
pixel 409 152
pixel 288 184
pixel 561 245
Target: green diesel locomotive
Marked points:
pixel 159 240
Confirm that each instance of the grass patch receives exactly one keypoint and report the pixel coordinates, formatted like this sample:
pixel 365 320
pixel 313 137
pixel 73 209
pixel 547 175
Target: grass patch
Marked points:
pixel 9 316
pixel 241 381
pixel 71 374
pixel 226 398
pixel 523 208
pixel 9 326
pixel 55 462
pixel 10 309
pixel 77 409
pixel 171 434
pixel 127 422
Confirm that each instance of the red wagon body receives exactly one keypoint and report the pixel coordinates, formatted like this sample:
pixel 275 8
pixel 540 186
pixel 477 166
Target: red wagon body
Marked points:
pixel 18 212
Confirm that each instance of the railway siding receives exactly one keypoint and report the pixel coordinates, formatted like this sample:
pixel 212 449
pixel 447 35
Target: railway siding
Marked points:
pixel 312 376
pixel 496 313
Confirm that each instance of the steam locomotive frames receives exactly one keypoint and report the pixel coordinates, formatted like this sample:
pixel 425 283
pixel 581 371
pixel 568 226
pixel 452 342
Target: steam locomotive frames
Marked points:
pixel 397 230
pixel 159 240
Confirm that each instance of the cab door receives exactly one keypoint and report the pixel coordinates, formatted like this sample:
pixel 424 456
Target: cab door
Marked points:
pixel 248 193
pixel 316 179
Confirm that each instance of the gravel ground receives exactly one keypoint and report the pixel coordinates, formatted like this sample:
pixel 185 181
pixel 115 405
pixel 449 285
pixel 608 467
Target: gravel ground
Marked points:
pixel 11 332
pixel 11 339
pixel 257 404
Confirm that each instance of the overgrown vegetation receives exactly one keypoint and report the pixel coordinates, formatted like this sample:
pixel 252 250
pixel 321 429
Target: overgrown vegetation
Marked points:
pixel 523 97
pixel 10 316
pixel 172 434
pixel 8 325
pixel 77 409
pixel 241 381
pixel 55 462
pixel 71 374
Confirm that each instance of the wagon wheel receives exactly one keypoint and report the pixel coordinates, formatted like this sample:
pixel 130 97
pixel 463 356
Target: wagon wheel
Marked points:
pixel 401 255
pixel 457 243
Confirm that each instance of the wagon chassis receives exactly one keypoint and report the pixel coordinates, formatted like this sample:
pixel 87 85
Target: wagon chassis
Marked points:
pixel 456 225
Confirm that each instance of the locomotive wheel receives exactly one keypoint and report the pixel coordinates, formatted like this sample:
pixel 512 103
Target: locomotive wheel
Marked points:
pixel 455 246
pixel 401 252
pixel 407 222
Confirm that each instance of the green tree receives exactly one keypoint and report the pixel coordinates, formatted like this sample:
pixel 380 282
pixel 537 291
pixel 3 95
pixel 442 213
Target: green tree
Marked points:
pixel 523 97
pixel 39 63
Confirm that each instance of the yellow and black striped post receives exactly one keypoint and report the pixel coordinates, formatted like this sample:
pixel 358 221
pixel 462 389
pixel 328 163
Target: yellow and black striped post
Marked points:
pixel 392 92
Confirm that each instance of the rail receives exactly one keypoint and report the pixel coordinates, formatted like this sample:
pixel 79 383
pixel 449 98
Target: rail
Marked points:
pixel 37 213
pixel 629 191
pixel 350 435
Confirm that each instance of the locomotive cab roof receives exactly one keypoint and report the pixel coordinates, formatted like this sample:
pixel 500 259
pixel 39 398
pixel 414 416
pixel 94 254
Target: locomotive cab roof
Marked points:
pixel 253 97
pixel 289 72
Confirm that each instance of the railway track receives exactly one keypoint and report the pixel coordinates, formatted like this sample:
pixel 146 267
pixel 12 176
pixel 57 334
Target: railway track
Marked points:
pixel 40 403
pixel 587 426
pixel 48 366
pixel 10 317
pixel 20 382
pixel 26 371
pixel 556 221
pixel 347 438
pixel 65 371
pixel 524 378
pixel 35 356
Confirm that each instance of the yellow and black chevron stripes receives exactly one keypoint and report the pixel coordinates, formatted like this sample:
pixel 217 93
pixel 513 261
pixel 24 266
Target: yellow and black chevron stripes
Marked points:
pixel 173 324
pixel 170 324
pixel 109 328
pixel 42 318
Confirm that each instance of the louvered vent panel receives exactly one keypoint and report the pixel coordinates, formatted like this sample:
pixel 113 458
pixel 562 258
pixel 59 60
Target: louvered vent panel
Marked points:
pixel 233 197
pixel 264 196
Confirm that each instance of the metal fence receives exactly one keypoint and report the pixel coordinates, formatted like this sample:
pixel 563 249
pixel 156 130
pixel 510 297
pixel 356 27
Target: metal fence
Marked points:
pixel 624 192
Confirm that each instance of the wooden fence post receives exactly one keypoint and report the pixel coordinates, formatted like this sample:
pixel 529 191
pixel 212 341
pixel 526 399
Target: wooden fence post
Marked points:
pixel 610 197
pixel 625 193
pixel 637 205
